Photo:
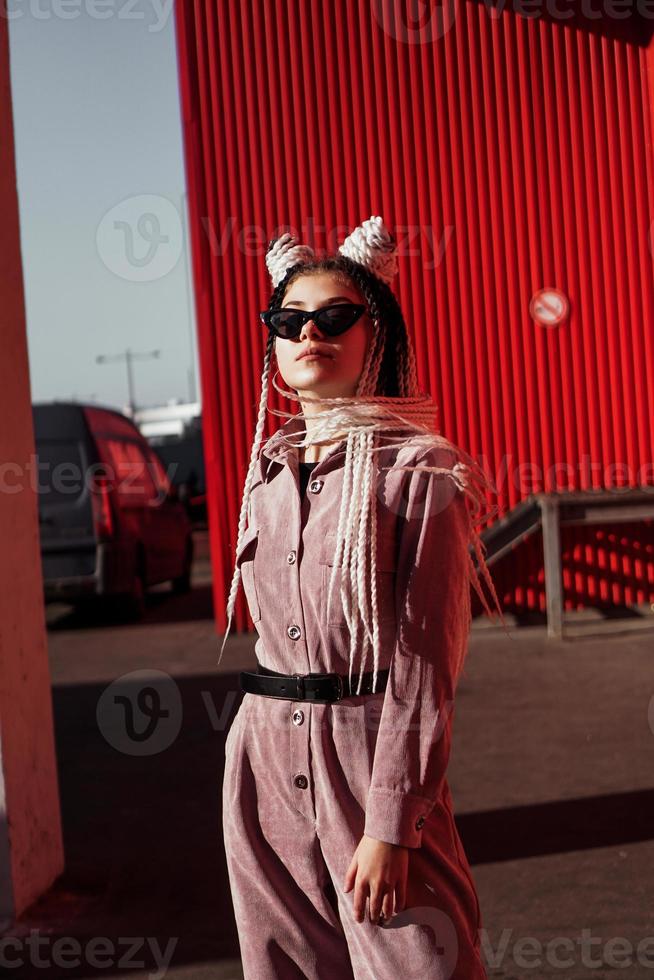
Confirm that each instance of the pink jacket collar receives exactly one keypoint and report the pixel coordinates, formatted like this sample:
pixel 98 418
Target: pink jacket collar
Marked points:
pixel 275 450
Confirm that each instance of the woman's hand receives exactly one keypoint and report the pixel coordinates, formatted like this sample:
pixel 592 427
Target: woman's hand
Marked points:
pixel 377 871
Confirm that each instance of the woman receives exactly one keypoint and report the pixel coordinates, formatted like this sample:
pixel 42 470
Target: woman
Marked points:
pixel 343 856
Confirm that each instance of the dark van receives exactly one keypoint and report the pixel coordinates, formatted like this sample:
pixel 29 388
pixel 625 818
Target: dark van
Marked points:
pixel 111 521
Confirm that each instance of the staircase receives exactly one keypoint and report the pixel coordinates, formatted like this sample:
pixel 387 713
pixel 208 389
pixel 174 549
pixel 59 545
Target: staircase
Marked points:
pixel 550 512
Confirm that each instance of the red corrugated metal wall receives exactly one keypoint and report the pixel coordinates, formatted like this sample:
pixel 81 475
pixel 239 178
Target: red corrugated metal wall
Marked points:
pixel 508 153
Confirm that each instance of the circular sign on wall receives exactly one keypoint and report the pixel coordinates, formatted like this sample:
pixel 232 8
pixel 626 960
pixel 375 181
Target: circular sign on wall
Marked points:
pixel 549 307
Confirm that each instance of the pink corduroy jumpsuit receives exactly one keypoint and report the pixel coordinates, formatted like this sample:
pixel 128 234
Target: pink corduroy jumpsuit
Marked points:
pixel 303 782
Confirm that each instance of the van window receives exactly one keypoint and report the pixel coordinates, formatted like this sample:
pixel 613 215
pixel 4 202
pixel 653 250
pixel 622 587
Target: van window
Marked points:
pixel 128 471
pixel 61 470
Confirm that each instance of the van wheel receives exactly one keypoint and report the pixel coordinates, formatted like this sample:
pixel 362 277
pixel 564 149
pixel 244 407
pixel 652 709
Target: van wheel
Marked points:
pixel 182 583
pixel 133 603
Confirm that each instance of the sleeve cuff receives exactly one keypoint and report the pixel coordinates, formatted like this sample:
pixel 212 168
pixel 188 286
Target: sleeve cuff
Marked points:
pixel 396 817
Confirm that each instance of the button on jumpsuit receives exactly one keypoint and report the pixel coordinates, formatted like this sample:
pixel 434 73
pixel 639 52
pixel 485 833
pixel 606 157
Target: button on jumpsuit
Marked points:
pixel 304 781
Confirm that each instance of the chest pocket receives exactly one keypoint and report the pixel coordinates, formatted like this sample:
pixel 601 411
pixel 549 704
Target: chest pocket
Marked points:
pixel 245 560
pixel 332 612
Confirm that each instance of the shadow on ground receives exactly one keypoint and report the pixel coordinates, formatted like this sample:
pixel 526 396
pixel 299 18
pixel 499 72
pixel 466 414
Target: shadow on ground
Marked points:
pixel 142 834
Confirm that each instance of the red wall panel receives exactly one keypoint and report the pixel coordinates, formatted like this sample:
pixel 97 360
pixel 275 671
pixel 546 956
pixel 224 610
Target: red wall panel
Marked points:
pixel 509 153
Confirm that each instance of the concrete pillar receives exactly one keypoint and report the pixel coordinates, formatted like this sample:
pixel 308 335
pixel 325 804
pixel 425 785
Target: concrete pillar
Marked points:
pixel 31 847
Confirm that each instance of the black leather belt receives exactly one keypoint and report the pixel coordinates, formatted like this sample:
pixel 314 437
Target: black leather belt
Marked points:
pixel 309 687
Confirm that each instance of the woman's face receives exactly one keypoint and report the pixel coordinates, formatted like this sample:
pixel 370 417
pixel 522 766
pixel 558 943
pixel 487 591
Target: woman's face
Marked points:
pixel 337 373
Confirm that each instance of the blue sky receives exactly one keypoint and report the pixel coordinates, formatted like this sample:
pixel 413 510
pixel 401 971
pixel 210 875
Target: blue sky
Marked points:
pixel 102 198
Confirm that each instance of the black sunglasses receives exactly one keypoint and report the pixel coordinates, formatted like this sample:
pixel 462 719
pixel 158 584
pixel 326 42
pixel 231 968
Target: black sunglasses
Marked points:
pixel 333 320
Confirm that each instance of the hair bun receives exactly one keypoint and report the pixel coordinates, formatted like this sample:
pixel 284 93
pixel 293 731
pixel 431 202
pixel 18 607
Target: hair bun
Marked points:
pixel 285 252
pixel 372 245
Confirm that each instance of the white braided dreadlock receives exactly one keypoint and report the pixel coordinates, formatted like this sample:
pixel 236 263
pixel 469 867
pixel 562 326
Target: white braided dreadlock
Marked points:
pixel 371 245
pixel 371 422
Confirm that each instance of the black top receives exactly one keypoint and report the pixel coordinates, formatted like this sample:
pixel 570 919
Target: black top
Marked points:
pixel 305 473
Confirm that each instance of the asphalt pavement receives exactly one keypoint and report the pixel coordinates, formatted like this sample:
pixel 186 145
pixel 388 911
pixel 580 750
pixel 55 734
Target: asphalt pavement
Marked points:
pixel 552 776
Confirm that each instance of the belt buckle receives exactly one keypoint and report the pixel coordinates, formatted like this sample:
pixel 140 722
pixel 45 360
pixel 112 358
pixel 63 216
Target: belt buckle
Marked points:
pixel 341 689
pixel 300 686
